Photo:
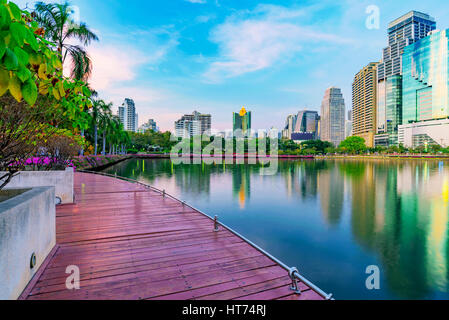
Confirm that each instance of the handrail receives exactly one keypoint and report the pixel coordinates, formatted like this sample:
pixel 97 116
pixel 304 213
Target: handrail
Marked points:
pixel 293 272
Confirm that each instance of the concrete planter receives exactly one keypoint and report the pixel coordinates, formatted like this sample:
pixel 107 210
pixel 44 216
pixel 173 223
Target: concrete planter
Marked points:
pixel 61 180
pixel 27 229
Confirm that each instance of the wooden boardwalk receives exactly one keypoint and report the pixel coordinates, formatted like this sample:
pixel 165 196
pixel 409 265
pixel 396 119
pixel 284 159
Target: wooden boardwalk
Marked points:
pixel 131 243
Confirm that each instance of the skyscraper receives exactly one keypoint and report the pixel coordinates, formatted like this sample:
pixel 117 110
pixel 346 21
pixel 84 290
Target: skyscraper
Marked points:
pixel 332 126
pixel 128 116
pixel 402 32
pixel 426 78
pixel 364 101
pixel 193 124
pixel 348 125
pixel 242 121
pixel 150 125
pixel 425 110
pixel 307 122
pixel 290 125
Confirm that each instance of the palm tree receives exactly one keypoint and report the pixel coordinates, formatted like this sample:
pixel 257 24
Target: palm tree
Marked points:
pixel 104 125
pixel 99 107
pixel 56 20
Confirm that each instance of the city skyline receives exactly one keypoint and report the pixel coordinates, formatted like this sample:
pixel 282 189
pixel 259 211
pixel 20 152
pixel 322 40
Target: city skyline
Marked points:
pixel 166 60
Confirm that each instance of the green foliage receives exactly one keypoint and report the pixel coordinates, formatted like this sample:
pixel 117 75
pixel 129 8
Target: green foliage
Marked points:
pixel 60 29
pixel 144 141
pixel 29 66
pixel 320 147
pixel 36 100
pixel 353 145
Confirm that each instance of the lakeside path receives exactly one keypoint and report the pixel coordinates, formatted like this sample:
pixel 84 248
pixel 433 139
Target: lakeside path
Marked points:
pixel 131 243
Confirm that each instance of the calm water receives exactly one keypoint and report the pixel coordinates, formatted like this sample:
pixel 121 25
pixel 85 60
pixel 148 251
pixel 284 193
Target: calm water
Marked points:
pixel 331 219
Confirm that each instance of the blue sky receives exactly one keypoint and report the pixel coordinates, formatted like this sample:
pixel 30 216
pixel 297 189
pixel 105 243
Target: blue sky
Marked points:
pixel 215 56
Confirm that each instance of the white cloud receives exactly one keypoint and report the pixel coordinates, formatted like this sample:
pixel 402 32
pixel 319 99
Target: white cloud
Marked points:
pixel 254 40
pixel 112 64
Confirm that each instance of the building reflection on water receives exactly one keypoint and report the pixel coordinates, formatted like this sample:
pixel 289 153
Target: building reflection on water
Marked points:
pixel 241 184
pixel 397 211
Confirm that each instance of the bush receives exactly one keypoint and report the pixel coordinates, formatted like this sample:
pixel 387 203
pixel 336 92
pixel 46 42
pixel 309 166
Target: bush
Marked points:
pixel 133 151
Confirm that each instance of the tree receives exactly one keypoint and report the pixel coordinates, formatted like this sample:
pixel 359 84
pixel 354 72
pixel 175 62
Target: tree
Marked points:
pixel 59 27
pixel 319 146
pixel 36 101
pixel 353 145
pixel 99 107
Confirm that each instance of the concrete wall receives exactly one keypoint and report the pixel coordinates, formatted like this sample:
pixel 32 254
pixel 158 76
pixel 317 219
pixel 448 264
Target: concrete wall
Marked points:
pixel 61 180
pixel 27 226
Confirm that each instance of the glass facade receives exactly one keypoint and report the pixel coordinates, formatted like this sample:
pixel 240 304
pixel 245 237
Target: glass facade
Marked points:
pixel 242 121
pixel 332 127
pixel 307 121
pixel 426 79
pixel 407 29
pixel 403 31
pixel 393 107
pixel 381 116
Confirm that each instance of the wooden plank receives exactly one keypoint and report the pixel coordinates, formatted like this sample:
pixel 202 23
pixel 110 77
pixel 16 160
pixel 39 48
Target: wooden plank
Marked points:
pixel 132 243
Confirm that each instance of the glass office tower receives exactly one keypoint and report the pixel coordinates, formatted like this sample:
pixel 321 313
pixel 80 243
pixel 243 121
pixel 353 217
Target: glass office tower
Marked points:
pixel 426 79
pixel 393 107
pixel 332 123
pixel 242 121
pixel 404 31
pixel 307 121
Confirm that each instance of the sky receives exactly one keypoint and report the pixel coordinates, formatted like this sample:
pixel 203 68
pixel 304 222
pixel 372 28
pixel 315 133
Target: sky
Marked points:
pixel 215 56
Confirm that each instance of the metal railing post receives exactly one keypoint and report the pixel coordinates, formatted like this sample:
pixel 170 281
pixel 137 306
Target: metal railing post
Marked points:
pixel 293 273
pixel 216 225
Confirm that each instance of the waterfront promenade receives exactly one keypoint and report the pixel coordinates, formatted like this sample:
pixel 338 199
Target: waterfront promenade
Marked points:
pixel 130 242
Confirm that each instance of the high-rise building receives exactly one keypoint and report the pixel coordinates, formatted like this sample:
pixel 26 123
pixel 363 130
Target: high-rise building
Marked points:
pixel 290 125
pixel 425 95
pixel 193 125
pixel 364 103
pixel 348 125
pixel 426 79
pixel 187 128
pixel 307 122
pixel 150 125
pixel 128 116
pixel 402 32
pixel 242 121
pixel 204 119
pixel 332 125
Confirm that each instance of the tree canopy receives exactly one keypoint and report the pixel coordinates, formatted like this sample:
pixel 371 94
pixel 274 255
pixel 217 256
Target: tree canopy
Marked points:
pixel 353 145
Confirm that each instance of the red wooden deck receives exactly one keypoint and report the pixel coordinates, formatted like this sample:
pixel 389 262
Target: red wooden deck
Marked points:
pixel 132 243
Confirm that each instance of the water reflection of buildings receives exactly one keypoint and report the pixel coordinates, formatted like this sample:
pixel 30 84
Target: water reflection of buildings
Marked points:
pixel 331 188
pixel 400 211
pixel 431 210
pixel 241 184
pixel 194 179
pixel 363 200
pixel 301 178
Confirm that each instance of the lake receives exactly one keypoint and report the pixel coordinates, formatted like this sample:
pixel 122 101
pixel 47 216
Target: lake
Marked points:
pixel 329 218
